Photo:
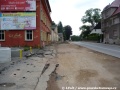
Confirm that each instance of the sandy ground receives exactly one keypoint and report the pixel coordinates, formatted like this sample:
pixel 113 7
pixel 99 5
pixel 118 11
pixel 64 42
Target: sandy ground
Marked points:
pixel 82 67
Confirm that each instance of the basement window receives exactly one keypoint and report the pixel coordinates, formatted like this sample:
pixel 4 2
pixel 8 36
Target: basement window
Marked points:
pixel 29 35
pixel 2 35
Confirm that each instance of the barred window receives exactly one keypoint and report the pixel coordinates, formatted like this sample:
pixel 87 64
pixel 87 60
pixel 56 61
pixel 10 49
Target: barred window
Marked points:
pixel 29 35
pixel 2 35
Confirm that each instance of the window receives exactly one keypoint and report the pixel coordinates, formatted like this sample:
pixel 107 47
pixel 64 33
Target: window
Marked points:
pixel 115 34
pixel 2 35
pixel 44 36
pixel 49 38
pixel 116 21
pixel 29 35
pixel 41 15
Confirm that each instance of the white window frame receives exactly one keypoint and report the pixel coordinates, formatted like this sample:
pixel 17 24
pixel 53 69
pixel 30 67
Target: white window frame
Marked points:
pixel 4 35
pixel 26 35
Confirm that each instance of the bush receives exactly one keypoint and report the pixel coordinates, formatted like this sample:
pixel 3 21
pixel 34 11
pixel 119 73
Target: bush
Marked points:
pixel 75 38
pixel 26 48
pixel 93 37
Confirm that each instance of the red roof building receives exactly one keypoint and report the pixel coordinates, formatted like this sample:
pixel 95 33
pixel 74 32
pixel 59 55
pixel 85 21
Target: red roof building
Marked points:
pixel 25 23
pixel 115 3
pixel 117 11
pixel 110 23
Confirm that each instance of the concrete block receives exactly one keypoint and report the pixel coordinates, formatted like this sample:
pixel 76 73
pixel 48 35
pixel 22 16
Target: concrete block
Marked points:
pixel 5 54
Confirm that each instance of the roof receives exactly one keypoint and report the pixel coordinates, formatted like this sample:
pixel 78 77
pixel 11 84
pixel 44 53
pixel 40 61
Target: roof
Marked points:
pixel 98 26
pixel 108 6
pixel 97 29
pixel 48 5
pixel 48 8
pixel 53 27
pixel 117 11
pixel 115 3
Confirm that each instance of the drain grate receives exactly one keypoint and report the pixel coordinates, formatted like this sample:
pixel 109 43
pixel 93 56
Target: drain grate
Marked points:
pixel 7 84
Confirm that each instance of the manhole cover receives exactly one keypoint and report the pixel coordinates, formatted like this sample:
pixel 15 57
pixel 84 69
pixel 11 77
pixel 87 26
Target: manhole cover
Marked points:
pixel 7 84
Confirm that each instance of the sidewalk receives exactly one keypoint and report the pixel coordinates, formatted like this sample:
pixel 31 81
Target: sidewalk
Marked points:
pixel 30 73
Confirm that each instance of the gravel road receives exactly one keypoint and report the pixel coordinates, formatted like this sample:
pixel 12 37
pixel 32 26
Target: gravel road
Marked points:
pixel 82 67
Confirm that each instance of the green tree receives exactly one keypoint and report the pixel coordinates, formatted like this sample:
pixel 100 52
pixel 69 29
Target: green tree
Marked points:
pixel 92 16
pixel 85 31
pixel 60 27
pixel 67 32
pixel 64 35
pixel 53 23
pixel 53 26
pixel 75 38
pixel 84 27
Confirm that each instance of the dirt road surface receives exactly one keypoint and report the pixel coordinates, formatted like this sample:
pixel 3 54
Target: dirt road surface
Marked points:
pixel 82 67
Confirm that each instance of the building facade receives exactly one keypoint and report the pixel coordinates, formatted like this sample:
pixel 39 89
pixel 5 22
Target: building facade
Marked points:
pixel 54 34
pixel 61 38
pixel 25 23
pixel 111 23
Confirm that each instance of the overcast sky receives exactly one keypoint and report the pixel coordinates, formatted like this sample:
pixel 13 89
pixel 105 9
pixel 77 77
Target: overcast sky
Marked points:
pixel 70 12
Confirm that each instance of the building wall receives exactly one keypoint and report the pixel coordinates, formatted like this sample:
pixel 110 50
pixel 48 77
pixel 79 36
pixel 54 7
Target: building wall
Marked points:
pixel 111 26
pixel 45 25
pixel 108 12
pixel 111 29
pixel 61 38
pixel 98 31
pixel 17 37
pixel 114 34
pixel 54 34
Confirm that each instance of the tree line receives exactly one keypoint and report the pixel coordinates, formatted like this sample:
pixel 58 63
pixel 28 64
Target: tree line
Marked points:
pixel 89 20
pixel 66 30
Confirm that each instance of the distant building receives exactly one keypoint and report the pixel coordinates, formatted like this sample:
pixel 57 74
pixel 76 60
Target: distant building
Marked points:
pixel 25 24
pixel 111 23
pixel 54 33
pixel 97 30
pixel 61 38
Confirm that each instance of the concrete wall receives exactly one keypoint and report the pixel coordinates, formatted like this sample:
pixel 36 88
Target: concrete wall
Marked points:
pixel 5 55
